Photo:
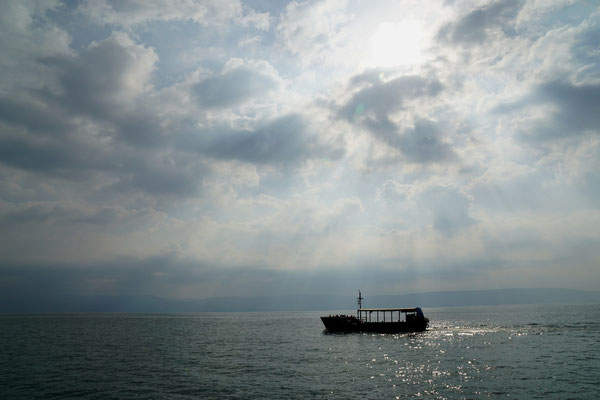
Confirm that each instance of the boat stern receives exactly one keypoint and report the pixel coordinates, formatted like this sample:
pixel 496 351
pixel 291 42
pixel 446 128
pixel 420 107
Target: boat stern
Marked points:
pixel 341 323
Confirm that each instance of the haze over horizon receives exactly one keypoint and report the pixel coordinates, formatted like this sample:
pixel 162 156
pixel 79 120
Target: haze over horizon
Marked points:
pixel 195 149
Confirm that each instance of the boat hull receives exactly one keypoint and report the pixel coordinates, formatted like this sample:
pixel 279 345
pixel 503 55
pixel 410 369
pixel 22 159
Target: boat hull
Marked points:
pixel 352 324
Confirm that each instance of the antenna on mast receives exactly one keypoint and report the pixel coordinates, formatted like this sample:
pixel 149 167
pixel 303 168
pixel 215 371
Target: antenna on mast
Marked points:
pixel 359 300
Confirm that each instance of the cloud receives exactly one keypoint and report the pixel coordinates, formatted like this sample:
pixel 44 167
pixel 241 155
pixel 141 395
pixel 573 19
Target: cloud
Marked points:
pixel 38 156
pixel 381 98
pixel 313 29
pixel 577 106
pixel 96 120
pixel 157 177
pixel 207 12
pixel 174 277
pixel 375 103
pixel 286 140
pixel 79 229
pixel 423 144
pixel 26 113
pixel 449 209
pixel 235 86
pixel 27 35
pixel 59 212
pixel 422 205
pixel 555 109
pixel 144 143
pixel 105 77
pixel 170 276
pixel 475 26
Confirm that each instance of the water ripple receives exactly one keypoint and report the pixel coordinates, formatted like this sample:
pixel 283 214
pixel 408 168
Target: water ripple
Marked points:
pixel 515 352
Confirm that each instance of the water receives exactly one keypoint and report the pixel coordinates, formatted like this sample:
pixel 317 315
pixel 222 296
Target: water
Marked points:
pixel 524 352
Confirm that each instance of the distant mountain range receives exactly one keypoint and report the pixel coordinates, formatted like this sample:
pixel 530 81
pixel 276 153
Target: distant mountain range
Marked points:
pixel 61 303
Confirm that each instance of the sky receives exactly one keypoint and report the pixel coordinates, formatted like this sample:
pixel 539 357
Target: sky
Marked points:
pixel 190 149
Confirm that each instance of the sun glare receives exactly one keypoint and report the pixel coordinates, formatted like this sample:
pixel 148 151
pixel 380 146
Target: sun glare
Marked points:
pixel 395 44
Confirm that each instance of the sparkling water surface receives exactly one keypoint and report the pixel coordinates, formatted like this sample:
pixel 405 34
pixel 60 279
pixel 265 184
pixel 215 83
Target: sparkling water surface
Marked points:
pixel 520 352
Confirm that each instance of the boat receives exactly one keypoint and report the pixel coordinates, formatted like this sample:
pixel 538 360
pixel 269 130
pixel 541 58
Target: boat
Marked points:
pixel 378 320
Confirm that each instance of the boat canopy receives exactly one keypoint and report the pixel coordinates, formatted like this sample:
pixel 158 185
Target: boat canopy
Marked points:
pixel 387 314
pixel 404 310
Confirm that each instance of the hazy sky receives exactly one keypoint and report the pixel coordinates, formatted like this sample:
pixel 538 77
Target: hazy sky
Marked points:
pixel 206 148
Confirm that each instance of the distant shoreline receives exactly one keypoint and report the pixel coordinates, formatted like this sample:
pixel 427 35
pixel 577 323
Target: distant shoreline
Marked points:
pixel 69 303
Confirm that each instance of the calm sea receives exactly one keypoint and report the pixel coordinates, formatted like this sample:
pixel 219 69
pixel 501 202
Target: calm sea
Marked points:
pixel 520 352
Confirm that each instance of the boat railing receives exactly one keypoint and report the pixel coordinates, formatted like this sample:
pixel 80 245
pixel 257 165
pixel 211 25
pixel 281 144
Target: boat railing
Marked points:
pixel 387 314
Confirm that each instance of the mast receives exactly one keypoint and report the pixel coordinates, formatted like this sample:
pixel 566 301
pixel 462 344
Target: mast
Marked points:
pixel 359 304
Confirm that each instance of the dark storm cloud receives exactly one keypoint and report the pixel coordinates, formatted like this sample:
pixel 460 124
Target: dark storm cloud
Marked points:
pixel 92 124
pixel 103 82
pixel 94 81
pixel 140 128
pixel 44 157
pixel 68 155
pixel 384 129
pixel 371 106
pixel 32 214
pixel 42 138
pixel 81 162
pixel 57 149
pixel 140 151
pixel 380 98
pixel 575 109
pixel 578 105
pixel 60 213
pixel 232 88
pixel 419 144
pixel 34 116
pixel 156 178
pixel 286 140
pixel 474 26
pixel 89 122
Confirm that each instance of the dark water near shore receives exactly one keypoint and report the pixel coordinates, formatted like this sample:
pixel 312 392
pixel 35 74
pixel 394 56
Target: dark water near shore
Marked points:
pixel 524 352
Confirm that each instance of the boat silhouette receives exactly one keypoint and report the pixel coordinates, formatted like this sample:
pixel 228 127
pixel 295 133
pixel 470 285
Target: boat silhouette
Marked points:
pixel 379 320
